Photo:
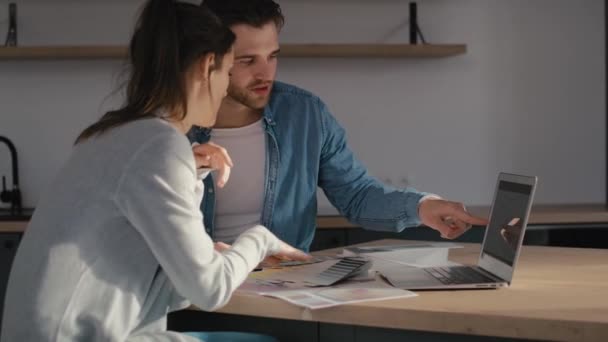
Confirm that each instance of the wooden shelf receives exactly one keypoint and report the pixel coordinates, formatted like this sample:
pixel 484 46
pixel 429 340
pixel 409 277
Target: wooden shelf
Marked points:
pixel 372 50
pixel 62 52
pixel 287 50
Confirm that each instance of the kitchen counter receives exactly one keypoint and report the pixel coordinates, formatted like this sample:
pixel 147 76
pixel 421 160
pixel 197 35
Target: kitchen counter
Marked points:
pixel 24 215
pixel 540 215
pixel 13 226
pixel 10 223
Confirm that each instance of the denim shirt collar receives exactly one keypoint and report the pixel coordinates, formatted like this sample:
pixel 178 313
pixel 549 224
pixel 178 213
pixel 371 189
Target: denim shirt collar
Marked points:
pixel 268 116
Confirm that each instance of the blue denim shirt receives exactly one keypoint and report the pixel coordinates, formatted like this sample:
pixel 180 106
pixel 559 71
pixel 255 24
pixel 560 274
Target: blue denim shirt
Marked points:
pixel 306 149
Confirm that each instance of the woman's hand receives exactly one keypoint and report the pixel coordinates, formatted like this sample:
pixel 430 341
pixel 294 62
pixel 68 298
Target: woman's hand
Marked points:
pixel 210 155
pixel 220 246
pixel 286 253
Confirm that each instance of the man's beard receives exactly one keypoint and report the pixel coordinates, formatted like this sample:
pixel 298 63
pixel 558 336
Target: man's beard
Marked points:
pixel 248 98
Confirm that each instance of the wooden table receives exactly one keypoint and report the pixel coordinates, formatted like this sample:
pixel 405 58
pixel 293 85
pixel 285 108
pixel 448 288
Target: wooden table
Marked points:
pixel 558 294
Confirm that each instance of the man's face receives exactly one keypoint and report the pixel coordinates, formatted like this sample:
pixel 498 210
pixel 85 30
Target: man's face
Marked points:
pixel 255 64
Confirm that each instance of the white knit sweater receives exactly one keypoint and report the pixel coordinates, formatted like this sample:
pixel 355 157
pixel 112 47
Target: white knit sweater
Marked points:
pixel 118 241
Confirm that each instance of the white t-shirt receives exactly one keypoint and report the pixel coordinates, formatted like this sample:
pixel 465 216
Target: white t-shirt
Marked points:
pixel 239 204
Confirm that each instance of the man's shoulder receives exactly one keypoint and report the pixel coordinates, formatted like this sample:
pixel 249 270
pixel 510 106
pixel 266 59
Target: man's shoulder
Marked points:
pixel 295 103
pixel 282 90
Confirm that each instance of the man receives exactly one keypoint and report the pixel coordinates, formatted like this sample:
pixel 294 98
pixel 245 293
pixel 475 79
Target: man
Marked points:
pixel 284 143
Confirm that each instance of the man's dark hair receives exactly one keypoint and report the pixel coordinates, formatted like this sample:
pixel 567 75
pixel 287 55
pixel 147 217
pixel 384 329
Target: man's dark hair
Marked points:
pixel 255 13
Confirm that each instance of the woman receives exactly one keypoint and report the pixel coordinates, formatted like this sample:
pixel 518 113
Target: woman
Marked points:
pixel 117 242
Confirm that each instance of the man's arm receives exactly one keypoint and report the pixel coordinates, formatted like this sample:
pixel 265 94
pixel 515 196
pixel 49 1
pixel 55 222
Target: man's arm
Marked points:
pixel 365 201
pixel 361 198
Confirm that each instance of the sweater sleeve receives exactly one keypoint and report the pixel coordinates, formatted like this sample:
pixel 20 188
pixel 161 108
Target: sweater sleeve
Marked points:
pixel 158 194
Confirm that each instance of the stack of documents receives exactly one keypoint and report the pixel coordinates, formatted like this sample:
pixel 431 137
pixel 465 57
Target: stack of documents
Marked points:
pixel 307 284
pixel 391 261
pixel 303 285
pixel 410 254
pixel 346 293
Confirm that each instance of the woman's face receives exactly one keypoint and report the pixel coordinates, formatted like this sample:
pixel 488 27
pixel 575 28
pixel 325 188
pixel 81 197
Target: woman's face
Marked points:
pixel 218 85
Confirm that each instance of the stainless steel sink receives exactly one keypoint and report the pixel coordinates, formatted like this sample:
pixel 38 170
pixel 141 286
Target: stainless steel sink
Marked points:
pixel 24 215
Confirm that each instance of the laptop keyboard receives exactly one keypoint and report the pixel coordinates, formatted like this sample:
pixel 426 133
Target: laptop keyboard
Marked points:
pixel 458 275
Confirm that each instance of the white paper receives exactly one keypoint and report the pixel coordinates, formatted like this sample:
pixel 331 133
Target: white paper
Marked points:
pixel 417 255
pixel 346 292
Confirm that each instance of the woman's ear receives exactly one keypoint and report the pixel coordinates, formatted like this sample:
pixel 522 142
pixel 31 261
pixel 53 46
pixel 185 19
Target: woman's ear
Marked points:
pixel 206 65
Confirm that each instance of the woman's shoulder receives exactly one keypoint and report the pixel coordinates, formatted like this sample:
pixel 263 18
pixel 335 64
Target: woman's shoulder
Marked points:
pixel 148 140
pixel 158 136
pixel 148 127
pixel 140 132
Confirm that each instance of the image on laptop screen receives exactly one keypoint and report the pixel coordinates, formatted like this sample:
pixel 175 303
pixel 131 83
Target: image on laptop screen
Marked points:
pixel 508 214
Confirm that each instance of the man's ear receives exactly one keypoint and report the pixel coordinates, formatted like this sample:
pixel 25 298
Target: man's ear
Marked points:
pixel 206 65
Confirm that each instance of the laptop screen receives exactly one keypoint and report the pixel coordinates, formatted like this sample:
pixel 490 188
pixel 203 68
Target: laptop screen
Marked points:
pixel 508 214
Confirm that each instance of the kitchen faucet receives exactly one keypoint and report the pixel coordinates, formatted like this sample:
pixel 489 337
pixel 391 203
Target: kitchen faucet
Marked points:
pixel 12 196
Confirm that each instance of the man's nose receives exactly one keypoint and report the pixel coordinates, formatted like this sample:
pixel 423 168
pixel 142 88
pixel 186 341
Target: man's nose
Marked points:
pixel 262 70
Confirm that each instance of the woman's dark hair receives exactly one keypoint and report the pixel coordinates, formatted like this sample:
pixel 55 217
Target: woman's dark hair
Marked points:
pixel 255 13
pixel 169 37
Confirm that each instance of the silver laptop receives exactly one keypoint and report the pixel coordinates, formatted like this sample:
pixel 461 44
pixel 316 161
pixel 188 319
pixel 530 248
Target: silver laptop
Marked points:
pixel 500 249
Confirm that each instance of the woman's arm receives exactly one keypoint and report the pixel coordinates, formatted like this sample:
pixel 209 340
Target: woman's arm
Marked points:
pixel 157 195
